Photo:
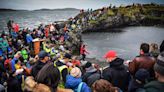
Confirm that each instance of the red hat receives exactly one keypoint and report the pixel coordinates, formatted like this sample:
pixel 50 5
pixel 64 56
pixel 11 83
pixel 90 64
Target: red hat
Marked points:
pixel 110 54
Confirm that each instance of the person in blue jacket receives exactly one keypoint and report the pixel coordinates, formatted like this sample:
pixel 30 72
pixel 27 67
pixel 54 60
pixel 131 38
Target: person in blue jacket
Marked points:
pixel 16 57
pixel 74 81
pixel 29 40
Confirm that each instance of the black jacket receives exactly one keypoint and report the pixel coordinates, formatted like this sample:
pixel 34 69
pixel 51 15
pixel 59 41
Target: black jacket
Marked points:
pixel 13 85
pixel 134 86
pixel 154 86
pixel 36 68
pixel 117 74
pixel 90 76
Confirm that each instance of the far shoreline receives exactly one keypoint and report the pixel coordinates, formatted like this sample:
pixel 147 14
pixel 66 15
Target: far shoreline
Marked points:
pixel 118 29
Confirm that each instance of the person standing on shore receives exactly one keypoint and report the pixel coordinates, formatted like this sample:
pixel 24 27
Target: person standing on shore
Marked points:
pixel 9 25
pixel 83 52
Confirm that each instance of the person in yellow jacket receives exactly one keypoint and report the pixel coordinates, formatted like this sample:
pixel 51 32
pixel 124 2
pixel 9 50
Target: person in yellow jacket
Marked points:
pixel 18 65
pixel 46 48
pixel 61 64
pixel 49 49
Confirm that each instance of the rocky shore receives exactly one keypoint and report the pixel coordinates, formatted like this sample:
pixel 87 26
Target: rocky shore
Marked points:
pixel 113 17
pixel 110 19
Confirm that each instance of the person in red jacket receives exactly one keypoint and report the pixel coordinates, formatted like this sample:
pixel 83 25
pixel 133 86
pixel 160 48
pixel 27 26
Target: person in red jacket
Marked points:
pixel 83 52
pixel 75 61
pixel 46 31
pixel 15 27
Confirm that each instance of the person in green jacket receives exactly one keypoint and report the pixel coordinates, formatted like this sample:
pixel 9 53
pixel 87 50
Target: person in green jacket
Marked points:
pixel 24 53
pixel 3 45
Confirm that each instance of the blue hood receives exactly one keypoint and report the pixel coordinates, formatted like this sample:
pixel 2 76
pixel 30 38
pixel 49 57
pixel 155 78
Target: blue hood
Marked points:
pixel 72 82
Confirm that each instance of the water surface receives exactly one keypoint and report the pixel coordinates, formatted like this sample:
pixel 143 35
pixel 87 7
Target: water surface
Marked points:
pixel 126 43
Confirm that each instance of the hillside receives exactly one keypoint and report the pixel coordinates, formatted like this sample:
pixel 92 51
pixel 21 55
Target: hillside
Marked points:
pixel 131 15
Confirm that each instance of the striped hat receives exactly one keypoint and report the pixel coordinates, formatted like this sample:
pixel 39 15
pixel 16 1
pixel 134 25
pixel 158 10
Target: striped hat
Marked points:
pixel 159 65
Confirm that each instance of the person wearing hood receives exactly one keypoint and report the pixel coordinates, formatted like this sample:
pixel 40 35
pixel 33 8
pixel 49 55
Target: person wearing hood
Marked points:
pixel 74 81
pixel 116 73
pixel 91 74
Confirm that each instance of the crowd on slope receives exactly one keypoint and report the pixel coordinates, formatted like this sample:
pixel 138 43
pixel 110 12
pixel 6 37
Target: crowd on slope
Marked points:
pixel 56 69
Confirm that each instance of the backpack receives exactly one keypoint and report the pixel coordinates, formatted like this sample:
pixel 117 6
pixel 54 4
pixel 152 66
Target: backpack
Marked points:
pixel 79 87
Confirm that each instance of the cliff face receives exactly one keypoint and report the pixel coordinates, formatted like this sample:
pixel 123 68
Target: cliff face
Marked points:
pixel 113 17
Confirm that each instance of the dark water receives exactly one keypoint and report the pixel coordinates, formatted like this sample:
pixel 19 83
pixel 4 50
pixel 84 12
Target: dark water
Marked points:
pixel 126 43
pixel 32 19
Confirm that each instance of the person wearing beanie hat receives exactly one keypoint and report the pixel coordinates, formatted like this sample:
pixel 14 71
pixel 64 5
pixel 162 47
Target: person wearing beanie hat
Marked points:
pixel 158 85
pixel 139 81
pixel 74 81
pixel 159 65
pixel 75 72
pixel 91 74
pixel 142 75
pixel 116 72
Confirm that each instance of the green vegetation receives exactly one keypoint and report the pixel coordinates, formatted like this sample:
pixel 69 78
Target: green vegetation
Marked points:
pixel 103 17
pixel 129 12
pixel 94 22
pixel 150 11
pixel 136 14
pixel 110 12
